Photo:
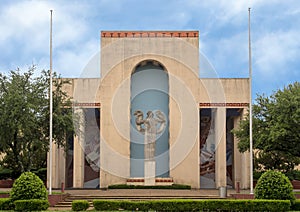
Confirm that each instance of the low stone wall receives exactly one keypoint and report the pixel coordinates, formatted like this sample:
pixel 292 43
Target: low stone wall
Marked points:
pixel 4 195
pixel 296 184
pixel 53 198
pixel 6 183
pixel 56 198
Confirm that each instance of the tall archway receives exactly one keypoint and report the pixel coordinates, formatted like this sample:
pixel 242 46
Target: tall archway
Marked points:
pixel 149 95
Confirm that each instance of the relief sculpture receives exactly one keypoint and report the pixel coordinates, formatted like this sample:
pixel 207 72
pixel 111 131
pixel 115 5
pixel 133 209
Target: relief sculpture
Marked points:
pixel 150 127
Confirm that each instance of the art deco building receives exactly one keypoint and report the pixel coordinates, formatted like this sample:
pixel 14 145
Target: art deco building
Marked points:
pixel 150 119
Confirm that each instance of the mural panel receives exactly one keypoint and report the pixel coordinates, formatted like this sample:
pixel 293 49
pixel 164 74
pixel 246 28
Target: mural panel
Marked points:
pixel 69 162
pixel 207 148
pixel 91 147
pixel 231 114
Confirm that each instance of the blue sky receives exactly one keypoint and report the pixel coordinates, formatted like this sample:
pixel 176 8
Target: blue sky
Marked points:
pixel 223 26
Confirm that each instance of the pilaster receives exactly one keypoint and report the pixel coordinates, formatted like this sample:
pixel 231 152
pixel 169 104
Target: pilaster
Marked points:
pixel 220 126
pixel 78 169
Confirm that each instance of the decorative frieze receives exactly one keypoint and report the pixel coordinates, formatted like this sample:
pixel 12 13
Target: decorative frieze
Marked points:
pixel 202 104
pixel 146 34
pixel 80 104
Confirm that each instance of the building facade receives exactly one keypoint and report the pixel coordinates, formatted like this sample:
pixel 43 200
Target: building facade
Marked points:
pixel 150 119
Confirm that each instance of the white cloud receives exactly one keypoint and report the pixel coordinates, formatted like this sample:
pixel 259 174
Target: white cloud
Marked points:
pixel 229 54
pixel 224 11
pixel 24 37
pixel 22 22
pixel 273 52
pixel 293 11
pixel 180 18
pixel 25 27
pixel 71 63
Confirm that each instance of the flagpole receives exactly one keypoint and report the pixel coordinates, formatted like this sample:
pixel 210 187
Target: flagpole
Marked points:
pixel 250 109
pixel 51 110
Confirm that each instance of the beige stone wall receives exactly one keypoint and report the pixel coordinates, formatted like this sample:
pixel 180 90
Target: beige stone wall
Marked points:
pixel 83 90
pixel 119 57
pixel 236 90
pixel 58 167
pixel 241 165
pixel 115 104
pixel 224 90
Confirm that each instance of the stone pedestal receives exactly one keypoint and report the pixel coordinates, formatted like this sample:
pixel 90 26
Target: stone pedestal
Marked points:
pixel 149 173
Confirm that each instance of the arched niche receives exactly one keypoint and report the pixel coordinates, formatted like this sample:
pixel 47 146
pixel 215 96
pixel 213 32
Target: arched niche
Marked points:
pixel 149 91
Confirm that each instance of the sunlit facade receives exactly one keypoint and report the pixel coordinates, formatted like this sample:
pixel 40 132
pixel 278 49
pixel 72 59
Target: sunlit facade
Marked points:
pixel 150 100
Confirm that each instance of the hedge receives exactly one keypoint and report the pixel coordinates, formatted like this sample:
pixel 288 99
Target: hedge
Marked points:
pixel 173 186
pixel 193 205
pixel 31 205
pixel 80 205
pixel 6 204
pixel 296 205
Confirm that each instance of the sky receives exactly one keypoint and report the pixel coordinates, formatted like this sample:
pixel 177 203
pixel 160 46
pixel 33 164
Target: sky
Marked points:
pixel 223 27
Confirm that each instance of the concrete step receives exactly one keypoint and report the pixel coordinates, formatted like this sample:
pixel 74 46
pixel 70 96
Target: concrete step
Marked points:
pixel 82 197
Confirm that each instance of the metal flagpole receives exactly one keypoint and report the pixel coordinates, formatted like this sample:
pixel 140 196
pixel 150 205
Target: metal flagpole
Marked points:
pixel 51 110
pixel 250 109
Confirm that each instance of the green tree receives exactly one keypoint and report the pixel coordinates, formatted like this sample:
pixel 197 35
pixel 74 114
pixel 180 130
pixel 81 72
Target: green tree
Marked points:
pixel 24 119
pixel 276 129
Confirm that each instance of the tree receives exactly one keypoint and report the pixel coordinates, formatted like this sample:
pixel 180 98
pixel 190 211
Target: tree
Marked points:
pixel 24 120
pixel 276 129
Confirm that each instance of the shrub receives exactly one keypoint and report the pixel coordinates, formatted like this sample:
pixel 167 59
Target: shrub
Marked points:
pixel 193 205
pixel 102 205
pixel 31 205
pixel 80 205
pixel 274 185
pixel 296 206
pixel 173 186
pixel 28 186
pixel 6 204
pixel 136 205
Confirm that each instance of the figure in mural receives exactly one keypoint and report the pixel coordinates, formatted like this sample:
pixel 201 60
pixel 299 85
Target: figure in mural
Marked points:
pixel 207 156
pixel 150 127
